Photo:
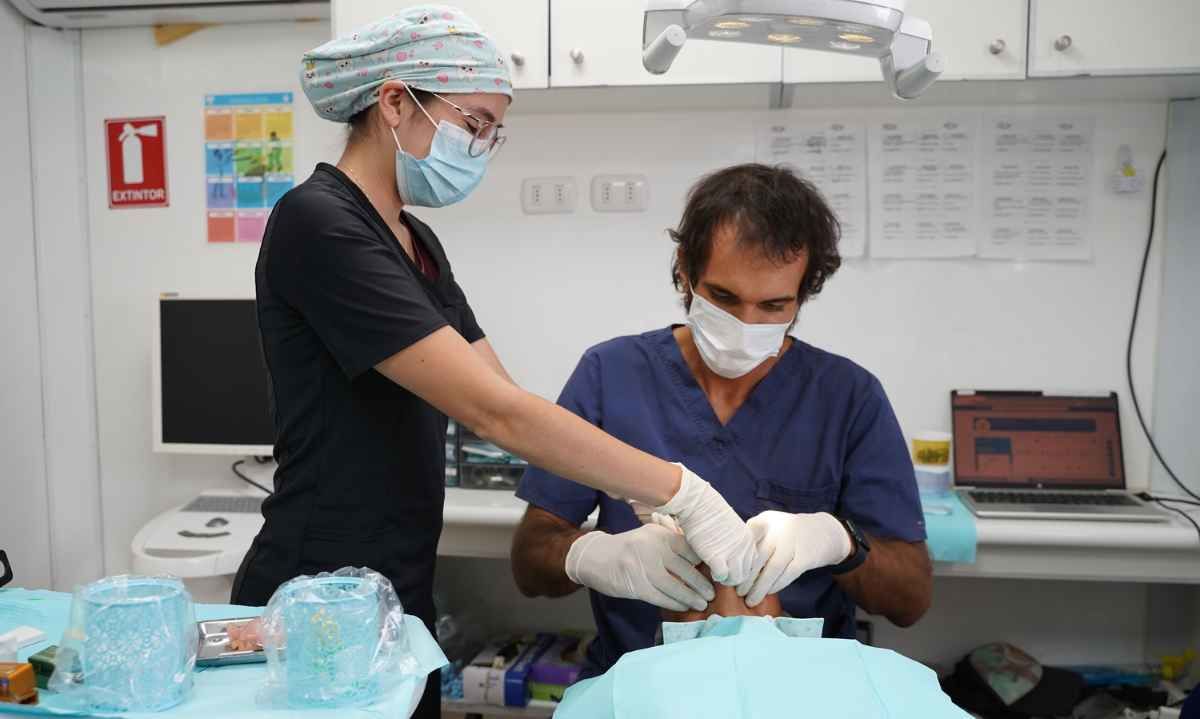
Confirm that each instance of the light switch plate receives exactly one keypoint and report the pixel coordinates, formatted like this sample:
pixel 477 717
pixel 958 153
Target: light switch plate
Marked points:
pixel 549 195
pixel 620 193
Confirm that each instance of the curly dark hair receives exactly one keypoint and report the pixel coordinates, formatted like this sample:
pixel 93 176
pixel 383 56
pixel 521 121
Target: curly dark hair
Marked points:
pixel 772 209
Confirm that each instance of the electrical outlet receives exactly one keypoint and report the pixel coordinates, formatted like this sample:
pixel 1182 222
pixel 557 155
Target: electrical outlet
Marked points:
pixel 620 193
pixel 548 195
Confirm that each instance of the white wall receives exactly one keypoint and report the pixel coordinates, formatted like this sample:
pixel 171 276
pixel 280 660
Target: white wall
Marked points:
pixel 1177 393
pixel 546 288
pixel 24 520
pixel 64 280
pixel 137 254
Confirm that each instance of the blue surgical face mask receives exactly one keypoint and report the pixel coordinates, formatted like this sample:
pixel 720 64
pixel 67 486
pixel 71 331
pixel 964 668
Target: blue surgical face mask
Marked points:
pixel 447 175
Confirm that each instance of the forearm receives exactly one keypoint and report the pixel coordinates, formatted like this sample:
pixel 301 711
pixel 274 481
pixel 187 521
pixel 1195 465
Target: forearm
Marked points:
pixel 446 372
pixel 896 581
pixel 558 441
pixel 539 556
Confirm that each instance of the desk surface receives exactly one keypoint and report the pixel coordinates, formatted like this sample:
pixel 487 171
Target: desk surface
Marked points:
pixel 480 523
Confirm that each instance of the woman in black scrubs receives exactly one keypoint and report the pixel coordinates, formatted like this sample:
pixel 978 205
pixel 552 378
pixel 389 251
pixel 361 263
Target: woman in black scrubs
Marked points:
pixel 370 342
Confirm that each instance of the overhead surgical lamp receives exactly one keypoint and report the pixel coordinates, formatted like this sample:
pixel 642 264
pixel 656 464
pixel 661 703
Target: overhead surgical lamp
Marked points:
pixel 869 28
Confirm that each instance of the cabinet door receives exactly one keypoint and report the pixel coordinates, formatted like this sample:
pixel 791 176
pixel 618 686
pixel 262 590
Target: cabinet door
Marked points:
pixel 1113 37
pixel 600 43
pixel 519 27
pixel 986 41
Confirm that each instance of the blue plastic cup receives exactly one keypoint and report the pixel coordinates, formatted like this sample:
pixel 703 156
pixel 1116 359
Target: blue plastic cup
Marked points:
pixel 138 649
pixel 332 629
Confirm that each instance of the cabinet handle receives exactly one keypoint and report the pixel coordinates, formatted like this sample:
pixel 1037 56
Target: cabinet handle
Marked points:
pixel 518 59
pixel 1062 43
pixel 998 46
pixel 576 56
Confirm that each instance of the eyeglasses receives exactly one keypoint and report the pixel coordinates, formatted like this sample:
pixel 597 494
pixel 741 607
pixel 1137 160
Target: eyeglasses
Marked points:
pixel 7 574
pixel 487 139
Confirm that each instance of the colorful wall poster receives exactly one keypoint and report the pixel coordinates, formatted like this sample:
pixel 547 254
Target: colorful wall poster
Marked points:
pixel 249 162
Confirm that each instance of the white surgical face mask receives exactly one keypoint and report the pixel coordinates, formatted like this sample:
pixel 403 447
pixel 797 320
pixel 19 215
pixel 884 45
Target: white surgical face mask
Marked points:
pixel 730 347
pixel 447 175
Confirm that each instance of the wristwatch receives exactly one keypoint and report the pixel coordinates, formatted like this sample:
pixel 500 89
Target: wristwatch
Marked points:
pixel 861 549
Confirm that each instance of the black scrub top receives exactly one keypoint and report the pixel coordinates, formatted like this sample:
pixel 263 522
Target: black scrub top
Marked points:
pixel 361 460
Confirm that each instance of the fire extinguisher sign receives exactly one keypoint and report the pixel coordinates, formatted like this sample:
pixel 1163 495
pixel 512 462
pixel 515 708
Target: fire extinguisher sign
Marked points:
pixel 137 162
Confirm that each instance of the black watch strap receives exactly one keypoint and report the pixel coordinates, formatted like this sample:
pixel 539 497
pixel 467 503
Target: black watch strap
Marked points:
pixel 858 556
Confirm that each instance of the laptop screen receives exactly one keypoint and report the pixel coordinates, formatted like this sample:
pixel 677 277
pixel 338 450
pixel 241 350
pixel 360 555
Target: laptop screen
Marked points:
pixel 1027 439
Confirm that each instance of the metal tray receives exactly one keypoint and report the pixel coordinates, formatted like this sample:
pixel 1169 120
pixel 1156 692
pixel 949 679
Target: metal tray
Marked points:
pixel 214 645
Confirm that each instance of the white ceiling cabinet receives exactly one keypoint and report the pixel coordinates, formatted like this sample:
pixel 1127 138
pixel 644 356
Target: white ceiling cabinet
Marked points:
pixel 1113 37
pixel 519 27
pixel 983 42
pixel 600 43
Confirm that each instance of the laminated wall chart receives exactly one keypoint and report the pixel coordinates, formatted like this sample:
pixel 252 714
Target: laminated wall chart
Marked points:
pixel 831 155
pixel 922 181
pixel 248 160
pixel 961 183
pixel 1037 181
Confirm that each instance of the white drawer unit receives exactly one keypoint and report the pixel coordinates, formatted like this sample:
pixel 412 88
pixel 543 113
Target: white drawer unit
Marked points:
pixel 596 43
pixel 519 27
pixel 1113 37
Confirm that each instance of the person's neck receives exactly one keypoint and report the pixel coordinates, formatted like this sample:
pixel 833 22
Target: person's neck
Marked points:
pixel 724 394
pixel 372 172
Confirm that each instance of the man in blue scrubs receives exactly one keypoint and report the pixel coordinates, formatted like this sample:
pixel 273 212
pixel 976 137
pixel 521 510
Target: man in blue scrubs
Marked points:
pixel 802 443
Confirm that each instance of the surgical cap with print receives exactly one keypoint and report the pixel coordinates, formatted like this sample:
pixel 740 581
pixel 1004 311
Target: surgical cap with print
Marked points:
pixel 429 47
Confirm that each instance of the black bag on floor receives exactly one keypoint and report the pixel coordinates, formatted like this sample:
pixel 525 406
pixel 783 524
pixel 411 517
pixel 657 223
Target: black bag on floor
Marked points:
pixel 999 681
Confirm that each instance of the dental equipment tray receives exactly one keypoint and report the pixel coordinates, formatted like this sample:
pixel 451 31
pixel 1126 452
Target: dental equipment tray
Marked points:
pixel 214 645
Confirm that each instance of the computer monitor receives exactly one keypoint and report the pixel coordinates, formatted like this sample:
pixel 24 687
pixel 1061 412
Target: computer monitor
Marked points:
pixel 211 391
pixel 1026 440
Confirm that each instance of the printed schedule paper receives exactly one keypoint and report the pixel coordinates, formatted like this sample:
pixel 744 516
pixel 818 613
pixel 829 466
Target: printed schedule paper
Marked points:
pixel 832 156
pixel 922 184
pixel 1037 181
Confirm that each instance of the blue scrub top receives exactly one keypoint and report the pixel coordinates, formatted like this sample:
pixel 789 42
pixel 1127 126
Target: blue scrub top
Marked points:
pixel 817 434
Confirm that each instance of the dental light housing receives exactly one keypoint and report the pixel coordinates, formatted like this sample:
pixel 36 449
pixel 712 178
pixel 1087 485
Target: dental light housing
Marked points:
pixel 870 28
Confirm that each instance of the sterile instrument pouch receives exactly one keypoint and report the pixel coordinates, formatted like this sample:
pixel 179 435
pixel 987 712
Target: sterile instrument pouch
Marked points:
pixel 334 640
pixel 130 645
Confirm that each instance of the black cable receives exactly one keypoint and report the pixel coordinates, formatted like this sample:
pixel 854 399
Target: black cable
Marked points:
pixel 1181 513
pixel 246 479
pixel 1137 303
pixel 1177 500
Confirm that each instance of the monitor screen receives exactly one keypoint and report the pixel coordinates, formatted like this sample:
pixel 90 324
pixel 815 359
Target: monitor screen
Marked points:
pixel 211 385
pixel 1012 439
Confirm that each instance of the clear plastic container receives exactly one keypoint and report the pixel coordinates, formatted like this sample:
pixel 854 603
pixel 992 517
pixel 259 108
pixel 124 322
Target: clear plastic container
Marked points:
pixel 130 645
pixel 334 640
pixel 933 480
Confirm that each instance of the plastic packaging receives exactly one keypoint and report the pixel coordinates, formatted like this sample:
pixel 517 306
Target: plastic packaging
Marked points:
pixel 933 480
pixel 335 640
pixel 130 645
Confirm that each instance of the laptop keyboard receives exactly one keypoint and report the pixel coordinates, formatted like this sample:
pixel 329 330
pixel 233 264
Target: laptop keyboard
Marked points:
pixel 225 504
pixel 1072 499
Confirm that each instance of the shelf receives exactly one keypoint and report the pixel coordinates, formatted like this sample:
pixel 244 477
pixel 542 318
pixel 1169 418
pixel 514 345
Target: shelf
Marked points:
pixel 480 523
pixel 535 709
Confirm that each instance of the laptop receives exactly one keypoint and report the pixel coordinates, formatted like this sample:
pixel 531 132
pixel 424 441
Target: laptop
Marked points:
pixel 1031 455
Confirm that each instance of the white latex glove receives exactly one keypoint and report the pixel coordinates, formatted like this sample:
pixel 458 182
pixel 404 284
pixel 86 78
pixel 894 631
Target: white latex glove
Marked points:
pixel 714 530
pixel 793 544
pixel 650 563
